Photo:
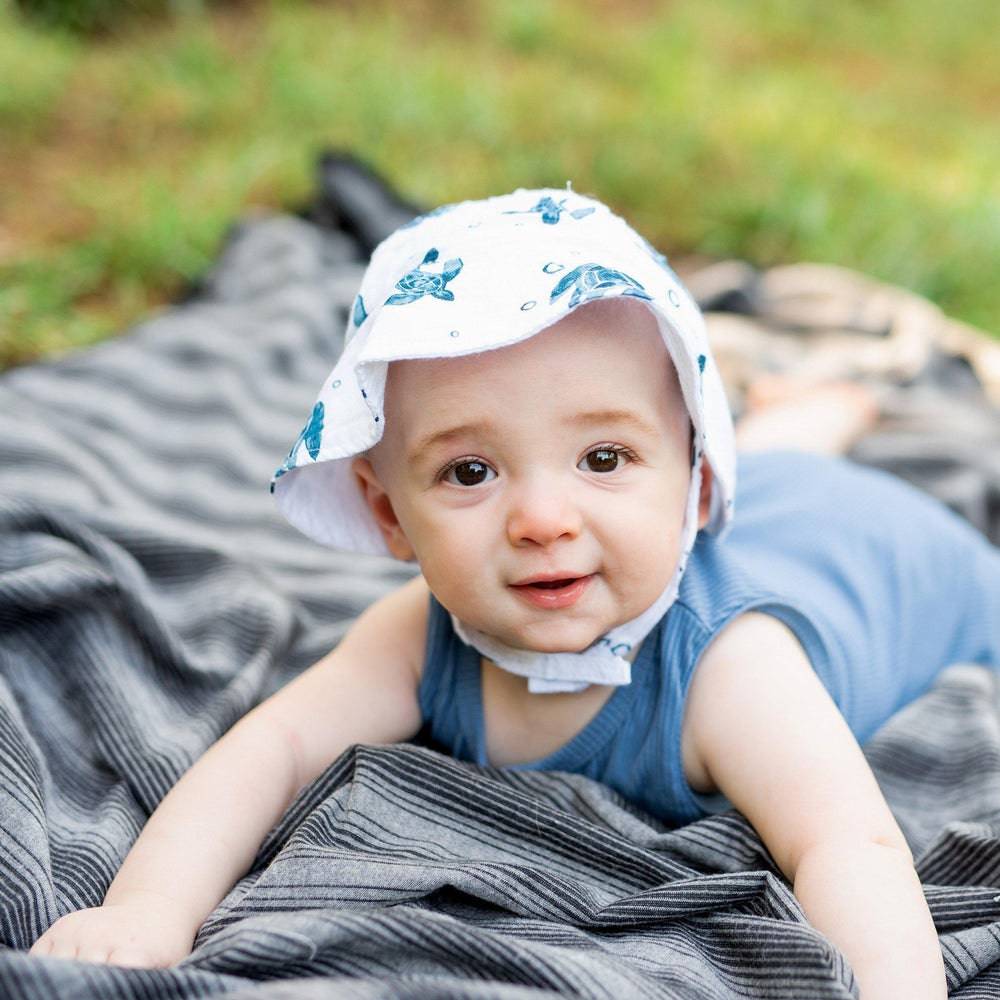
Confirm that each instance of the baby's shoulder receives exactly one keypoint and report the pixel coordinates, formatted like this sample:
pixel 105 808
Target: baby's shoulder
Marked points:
pixel 751 633
pixel 752 643
pixel 395 626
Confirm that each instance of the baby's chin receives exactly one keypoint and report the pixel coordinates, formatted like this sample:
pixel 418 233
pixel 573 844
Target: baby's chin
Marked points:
pixel 552 640
pixel 557 635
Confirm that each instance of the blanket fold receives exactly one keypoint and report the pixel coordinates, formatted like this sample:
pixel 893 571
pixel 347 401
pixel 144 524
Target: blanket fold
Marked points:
pixel 150 596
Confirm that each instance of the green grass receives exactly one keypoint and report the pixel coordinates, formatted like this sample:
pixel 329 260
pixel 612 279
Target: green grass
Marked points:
pixel 854 133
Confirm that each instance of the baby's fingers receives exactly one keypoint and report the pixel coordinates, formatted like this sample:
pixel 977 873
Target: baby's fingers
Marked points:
pixel 74 936
pixel 96 952
pixel 54 947
pixel 48 943
pixel 41 947
pixel 117 936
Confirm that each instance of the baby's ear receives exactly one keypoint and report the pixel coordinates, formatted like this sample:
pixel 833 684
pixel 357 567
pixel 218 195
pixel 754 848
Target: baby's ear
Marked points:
pixel 380 505
pixel 705 499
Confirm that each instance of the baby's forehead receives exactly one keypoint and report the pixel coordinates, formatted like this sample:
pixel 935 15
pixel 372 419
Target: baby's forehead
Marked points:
pixel 609 362
pixel 620 333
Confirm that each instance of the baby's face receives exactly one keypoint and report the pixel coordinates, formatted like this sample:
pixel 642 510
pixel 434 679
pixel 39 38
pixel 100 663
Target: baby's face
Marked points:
pixel 541 487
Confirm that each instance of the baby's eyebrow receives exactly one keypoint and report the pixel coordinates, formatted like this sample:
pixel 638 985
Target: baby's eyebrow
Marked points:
pixel 483 427
pixel 627 417
pixel 448 434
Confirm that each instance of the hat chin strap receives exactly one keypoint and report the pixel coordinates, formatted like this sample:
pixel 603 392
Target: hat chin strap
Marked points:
pixel 603 661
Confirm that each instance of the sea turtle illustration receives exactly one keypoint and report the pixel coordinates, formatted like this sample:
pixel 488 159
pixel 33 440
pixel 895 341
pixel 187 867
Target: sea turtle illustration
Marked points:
pixel 551 211
pixel 594 281
pixel 312 433
pixel 311 437
pixel 417 283
pixel 360 313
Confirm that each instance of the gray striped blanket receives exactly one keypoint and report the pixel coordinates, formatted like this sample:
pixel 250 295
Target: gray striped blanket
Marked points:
pixel 150 595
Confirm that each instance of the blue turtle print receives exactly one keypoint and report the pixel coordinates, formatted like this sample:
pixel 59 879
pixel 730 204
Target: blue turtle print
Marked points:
pixel 312 433
pixel 311 437
pixel 594 281
pixel 551 211
pixel 360 314
pixel 417 283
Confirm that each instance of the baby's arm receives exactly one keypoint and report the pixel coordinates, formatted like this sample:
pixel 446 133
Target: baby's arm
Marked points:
pixel 760 727
pixel 207 830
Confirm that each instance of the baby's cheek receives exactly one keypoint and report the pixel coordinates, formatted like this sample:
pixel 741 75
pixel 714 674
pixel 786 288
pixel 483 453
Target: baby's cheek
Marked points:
pixel 648 557
pixel 450 568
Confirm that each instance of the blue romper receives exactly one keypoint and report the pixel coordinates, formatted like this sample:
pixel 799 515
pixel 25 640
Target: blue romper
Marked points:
pixel 881 583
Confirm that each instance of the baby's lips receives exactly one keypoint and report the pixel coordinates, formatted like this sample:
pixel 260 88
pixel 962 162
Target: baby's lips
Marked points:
pixel 553 592
pixel 548 581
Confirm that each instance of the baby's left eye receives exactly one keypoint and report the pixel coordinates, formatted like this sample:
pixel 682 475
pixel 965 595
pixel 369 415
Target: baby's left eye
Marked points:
pixel 603 459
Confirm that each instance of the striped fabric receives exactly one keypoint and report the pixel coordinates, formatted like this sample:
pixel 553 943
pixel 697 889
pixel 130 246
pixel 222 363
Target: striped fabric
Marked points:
pixel 150 595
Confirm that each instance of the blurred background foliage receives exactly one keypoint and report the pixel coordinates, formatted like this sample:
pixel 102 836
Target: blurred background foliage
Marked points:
pixel 862 132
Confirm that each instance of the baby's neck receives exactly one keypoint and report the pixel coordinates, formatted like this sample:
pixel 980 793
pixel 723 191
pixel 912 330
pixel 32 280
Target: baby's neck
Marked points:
pixel 521 726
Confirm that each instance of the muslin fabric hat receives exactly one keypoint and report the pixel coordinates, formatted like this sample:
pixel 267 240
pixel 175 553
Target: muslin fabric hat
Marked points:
pixel 477 276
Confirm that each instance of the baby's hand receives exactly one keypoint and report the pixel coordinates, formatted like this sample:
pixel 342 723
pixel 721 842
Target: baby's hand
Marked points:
pixel 119 934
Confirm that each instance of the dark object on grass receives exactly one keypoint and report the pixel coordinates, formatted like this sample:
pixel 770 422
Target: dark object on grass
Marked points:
pixel 100 17
pixel 353 198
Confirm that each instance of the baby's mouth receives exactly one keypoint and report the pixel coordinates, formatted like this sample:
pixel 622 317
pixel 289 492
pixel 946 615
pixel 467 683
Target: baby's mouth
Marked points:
pixel 553 592
pixel 551 581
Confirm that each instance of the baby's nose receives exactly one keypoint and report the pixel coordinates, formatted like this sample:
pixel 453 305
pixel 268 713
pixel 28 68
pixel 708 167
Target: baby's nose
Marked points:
pixel 542 513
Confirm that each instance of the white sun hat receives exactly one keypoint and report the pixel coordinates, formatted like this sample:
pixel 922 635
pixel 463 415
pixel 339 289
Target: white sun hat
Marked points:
pixel 472 277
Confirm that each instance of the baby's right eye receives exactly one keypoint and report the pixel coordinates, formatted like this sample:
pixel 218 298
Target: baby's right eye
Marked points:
pixel 468 472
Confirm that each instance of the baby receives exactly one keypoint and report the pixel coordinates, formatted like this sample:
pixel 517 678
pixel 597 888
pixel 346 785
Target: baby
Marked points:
pixel 527 407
